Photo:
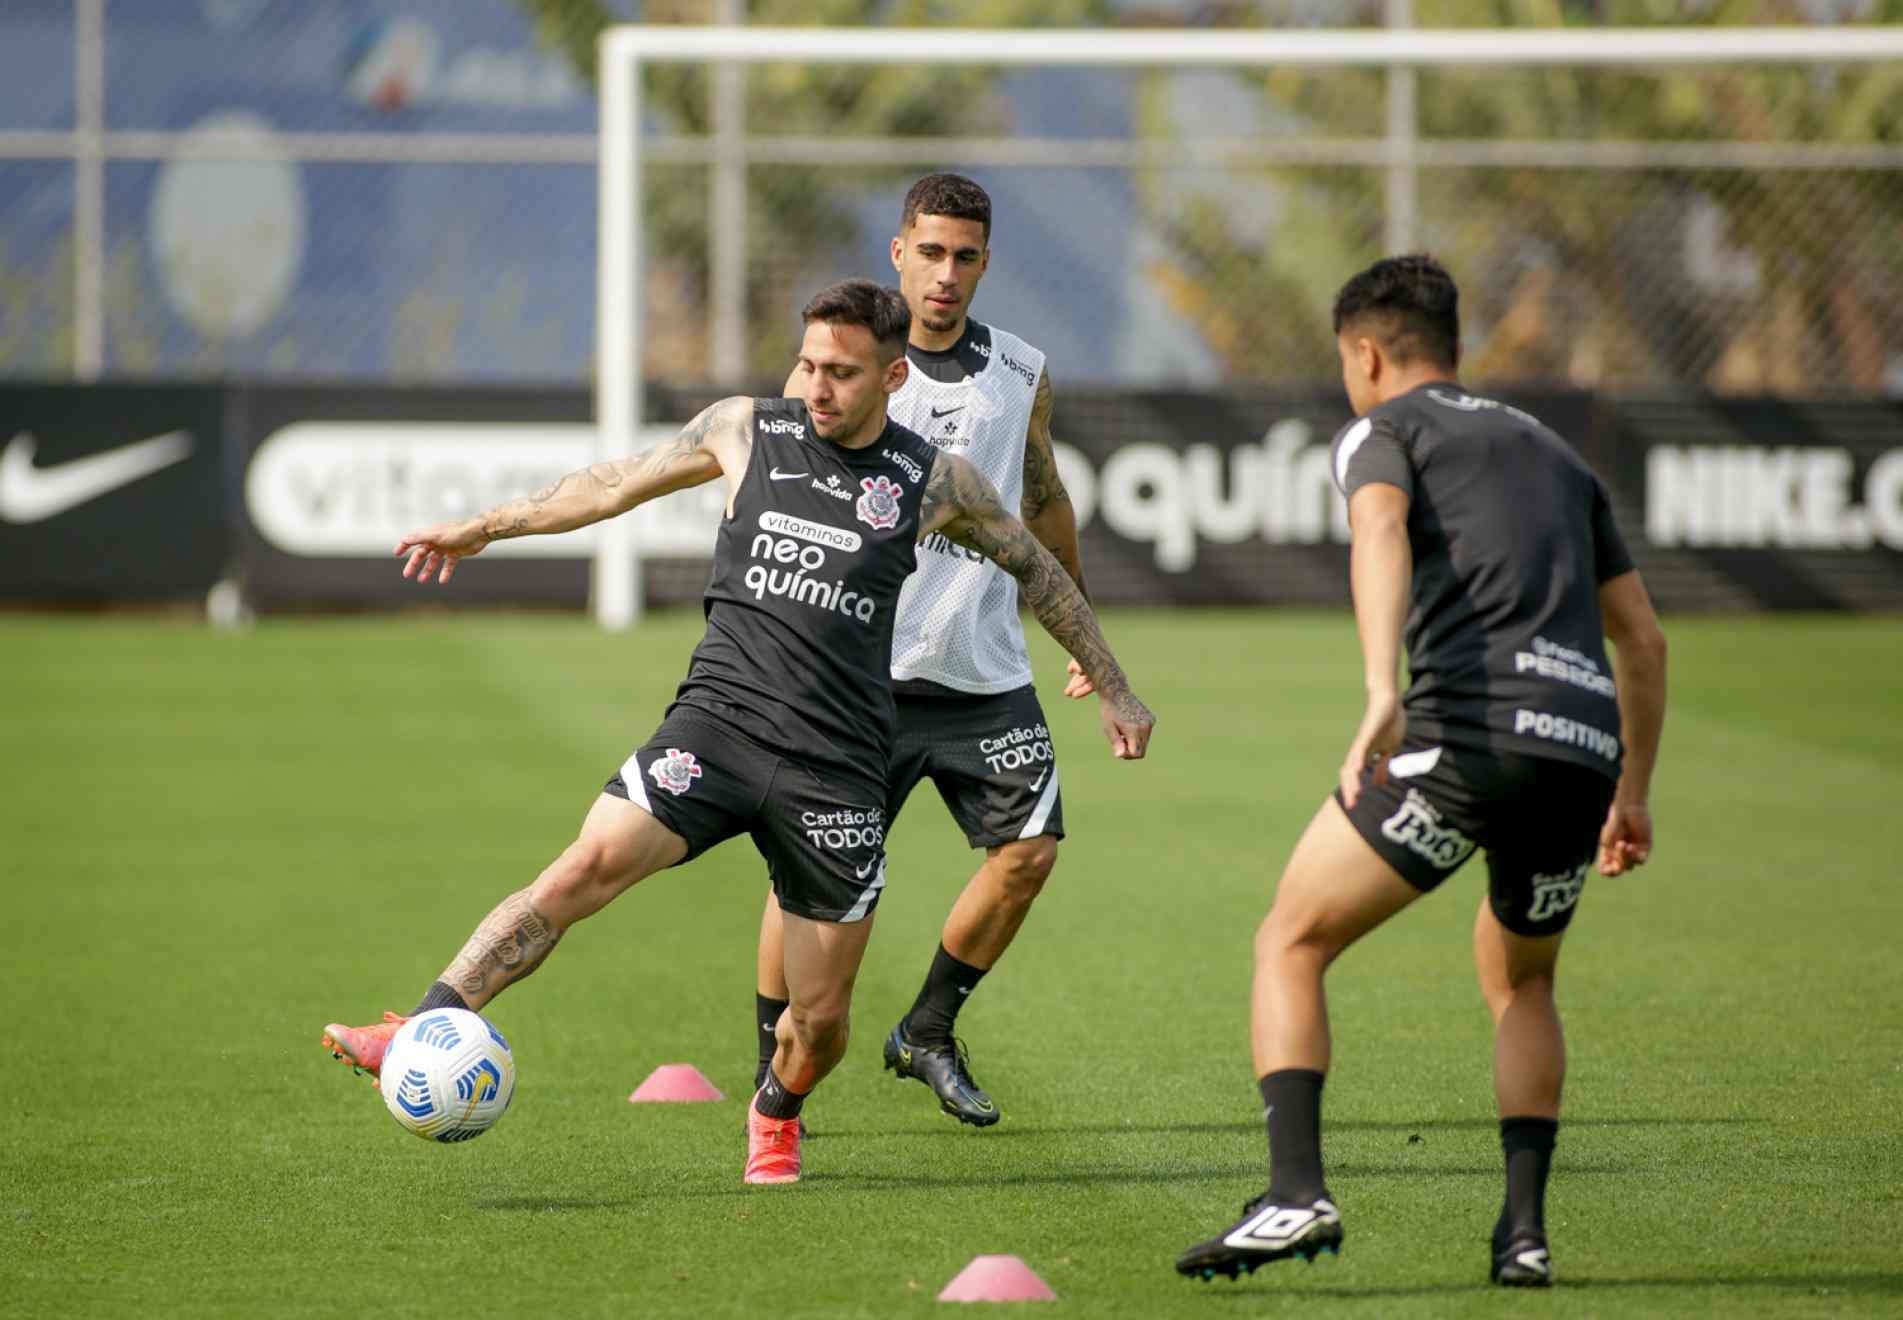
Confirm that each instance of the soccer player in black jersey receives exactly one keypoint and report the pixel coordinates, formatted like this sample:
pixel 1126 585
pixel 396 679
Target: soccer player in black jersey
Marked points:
pixel 782 727
pixel 969 718
pixel 1486 545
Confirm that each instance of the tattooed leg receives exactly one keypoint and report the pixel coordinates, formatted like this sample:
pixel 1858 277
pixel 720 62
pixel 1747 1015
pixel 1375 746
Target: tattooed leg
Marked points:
pixel 620 844
pixel 510 943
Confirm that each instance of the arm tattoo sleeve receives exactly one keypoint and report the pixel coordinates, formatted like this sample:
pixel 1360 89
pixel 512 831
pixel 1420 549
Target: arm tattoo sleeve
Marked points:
pixel 978 520
pixel 1045 504
pixel 1043 487
pixel 603 490
pixel 510 943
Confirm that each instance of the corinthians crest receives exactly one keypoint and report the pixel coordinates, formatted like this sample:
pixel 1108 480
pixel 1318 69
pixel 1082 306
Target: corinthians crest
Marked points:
pixel 675 772
pixel 879 506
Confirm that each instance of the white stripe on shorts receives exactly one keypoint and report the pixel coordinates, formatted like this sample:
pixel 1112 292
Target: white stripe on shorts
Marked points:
pixel 1042 816
pixel 858 910
pixel 637 791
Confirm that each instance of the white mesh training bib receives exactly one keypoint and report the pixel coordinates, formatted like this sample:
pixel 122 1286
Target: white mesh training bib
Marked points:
pixel 957 621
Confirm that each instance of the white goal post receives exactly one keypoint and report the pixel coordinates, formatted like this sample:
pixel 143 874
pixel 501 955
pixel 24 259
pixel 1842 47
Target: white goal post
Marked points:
pixel 624 50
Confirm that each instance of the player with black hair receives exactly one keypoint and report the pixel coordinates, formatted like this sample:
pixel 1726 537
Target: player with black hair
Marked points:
pixel 969 718
pixel 1482 541
pixel 782 726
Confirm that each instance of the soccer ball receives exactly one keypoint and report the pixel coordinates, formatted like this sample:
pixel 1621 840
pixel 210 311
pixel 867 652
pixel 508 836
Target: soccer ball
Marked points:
pixel 448 1075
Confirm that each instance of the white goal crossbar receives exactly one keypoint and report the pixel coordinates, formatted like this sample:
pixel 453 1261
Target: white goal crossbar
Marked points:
pixel 625 49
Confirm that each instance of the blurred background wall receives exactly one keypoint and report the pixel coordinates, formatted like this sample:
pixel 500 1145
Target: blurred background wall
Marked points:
pixel 221 220
pixel 415 195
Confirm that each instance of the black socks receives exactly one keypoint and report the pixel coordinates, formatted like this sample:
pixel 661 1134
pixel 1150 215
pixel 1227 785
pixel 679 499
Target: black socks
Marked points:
pixel 775 1101
pixel 1292 1099
pixel 946 987
pixel 439 996
pixel 766 1015
pixel 1528 1145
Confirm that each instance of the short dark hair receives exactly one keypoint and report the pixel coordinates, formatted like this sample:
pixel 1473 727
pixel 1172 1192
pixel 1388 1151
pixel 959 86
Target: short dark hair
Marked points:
pixel 1412 306
pixel 861 302
pixel 947 194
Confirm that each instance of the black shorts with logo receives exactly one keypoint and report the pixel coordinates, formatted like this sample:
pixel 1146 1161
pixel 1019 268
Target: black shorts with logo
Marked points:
pixel 821 831
pixel 1537 817
pixel 990 757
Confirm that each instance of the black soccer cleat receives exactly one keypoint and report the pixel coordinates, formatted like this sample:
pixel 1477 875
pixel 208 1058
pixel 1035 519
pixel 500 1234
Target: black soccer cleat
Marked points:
pixel 1266 1232
pixel 1524 1262
pixel 947 1070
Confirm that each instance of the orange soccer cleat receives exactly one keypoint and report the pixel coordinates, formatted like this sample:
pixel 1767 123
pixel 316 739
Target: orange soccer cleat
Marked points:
pixel 773 1148
pixel 362 1047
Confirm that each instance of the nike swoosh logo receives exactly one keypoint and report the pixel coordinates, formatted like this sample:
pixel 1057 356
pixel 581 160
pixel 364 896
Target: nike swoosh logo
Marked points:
pixel 778 475
pixel 863 871
pixel 948 412
pixel 31 494
pixel 1039 781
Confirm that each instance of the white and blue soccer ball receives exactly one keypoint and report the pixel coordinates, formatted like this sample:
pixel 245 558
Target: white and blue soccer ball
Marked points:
pixel 448 1075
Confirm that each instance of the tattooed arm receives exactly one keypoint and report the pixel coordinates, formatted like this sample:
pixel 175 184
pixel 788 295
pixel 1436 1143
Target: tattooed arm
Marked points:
pixel 960 503
pixel 716 442
pixel 1046 507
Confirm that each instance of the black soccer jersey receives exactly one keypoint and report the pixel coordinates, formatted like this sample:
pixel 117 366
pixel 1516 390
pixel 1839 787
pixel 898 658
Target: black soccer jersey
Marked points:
pixel 806 576
pixel 1512 536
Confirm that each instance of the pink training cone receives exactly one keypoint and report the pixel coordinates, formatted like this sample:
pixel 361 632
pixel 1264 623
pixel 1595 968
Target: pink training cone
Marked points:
pixel 997 1279
pixel 676 1081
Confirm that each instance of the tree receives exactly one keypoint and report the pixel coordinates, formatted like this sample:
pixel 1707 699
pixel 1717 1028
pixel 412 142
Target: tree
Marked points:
pixel 1786 280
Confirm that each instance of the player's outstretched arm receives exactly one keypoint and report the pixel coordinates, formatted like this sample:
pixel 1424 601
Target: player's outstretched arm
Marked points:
pixel 718 440
pixel 964 506
pixel 1638 671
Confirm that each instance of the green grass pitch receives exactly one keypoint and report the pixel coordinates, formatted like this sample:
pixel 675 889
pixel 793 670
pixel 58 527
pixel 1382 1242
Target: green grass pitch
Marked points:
pixel 213 844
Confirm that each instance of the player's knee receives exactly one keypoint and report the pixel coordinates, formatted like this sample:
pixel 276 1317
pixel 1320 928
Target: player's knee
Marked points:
pixel 1022 868
pixel 821 1026
pixel 1286 934
pixel 1535 982
pixel 588 869
pixel 1503 987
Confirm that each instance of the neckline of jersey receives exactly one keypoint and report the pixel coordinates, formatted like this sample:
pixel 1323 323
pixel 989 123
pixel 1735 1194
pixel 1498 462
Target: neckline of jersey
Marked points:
pixel 939 356
pixel 847 456
pixel 1434 385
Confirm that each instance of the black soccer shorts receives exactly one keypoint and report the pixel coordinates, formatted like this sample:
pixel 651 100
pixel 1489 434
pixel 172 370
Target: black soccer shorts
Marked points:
pixel 1538 818
pixel 821 830
pixel 991 759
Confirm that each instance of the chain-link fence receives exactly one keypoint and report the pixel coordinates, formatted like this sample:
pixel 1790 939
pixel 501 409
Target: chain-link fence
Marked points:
pixel 344 190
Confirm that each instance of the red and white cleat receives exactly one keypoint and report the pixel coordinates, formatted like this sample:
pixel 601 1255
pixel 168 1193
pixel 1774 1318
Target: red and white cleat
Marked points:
pixel 362 1047
pixel 773 1148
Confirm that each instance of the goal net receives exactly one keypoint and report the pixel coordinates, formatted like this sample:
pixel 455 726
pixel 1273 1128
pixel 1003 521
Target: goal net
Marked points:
pixel 1634 209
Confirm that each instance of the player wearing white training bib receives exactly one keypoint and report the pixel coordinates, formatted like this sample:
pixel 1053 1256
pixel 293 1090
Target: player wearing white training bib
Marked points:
pixel 969 719
pixel 958 616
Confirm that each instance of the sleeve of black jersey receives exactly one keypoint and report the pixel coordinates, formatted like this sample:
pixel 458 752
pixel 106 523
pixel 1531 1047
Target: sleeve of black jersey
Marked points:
pixel 1369 450
pixel 1610 556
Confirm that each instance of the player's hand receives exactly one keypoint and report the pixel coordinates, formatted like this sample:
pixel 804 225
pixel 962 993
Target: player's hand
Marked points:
pixel 1126 723
pixel 438 549
pixel 1079 684
pixel 1383 726
pixel 1626 840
